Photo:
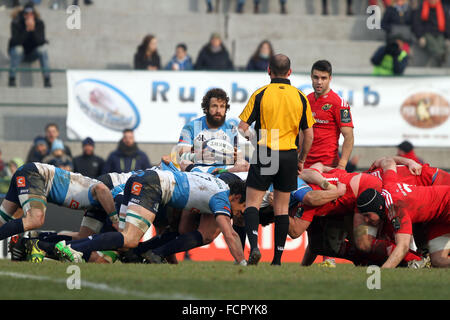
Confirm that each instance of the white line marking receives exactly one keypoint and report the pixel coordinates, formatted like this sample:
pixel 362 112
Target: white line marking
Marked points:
pixel 102 287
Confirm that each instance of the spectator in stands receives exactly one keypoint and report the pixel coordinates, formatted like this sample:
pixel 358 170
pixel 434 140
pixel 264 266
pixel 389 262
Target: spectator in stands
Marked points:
pixel 431 25
pixel 86 2
pixel 51 134
pixel 39 150
pixel 127 157
pixel 181 60
pixel 8 172
pixel 390 59
pixel 58 157
pixel 214 55
pixel 259 61
pixel 397 19
pixel 406 150
pixel 88 164
pixel 146 56
pixel 2 165
pixel 325 7
pixel 27 42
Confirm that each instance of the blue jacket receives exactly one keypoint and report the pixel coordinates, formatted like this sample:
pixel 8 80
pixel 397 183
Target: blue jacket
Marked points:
pixel 186 64
pixel 126 159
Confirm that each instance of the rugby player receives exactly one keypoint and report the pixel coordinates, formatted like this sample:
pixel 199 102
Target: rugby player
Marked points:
pixel 212 125
pixel 34 184
pixel 145 193
pixel 402 205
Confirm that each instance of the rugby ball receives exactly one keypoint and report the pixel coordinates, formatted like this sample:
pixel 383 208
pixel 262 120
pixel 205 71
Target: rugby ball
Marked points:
pixel 219 151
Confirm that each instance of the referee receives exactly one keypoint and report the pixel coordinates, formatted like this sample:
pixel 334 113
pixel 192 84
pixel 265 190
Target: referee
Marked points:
pixel 279 112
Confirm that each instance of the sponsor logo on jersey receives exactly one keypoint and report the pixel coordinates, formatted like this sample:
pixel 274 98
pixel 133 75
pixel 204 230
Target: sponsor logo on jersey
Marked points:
pixel 137 201
pixel 74 204
pixel 20 181
pixel 136 188
pixel 425 110
pixel 106 105
pixel 326 107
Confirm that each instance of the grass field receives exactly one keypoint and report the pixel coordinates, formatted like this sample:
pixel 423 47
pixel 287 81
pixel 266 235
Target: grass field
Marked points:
pixel 216 280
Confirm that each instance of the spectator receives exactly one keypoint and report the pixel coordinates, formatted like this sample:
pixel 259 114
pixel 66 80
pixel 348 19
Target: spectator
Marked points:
pixel 260 59
pixel 52 133
pixel 88 164
pixel 431 27
pixel 397 19
pixel 2 165
pixel 146 56
pixel 214 55
pixel 127 157
pixel 27 42
pixel 406 150
pixel 181 60
pixel 39 150
pixel 58 157
pixel 86 2
pixel 390 59
pixel 8 172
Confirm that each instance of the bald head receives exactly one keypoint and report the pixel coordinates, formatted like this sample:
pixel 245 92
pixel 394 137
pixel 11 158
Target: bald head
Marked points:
pixel 279 65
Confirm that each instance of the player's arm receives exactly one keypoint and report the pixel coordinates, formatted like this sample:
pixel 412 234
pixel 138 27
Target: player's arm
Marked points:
pixel 347 146
pixel 102 194
pixel 414 167
pixel 231 238
pixel 402 241
pixel 388 164
pixel 314 177
pixel 317 198
pixel 308 137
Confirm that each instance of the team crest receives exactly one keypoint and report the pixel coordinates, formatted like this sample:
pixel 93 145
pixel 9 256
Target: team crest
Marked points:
pixel 326 107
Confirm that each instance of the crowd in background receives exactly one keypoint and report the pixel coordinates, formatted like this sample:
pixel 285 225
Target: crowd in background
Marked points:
pixel 50 148
pixel 425 23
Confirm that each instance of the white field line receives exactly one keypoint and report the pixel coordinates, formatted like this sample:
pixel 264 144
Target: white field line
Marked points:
pixel 101 287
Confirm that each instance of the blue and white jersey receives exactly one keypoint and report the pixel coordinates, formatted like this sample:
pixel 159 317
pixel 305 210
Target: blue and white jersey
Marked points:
pixel 196 132
pixel 195 191
pixel 118 179
pixel 64 188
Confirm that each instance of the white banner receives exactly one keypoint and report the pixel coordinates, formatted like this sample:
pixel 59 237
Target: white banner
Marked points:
pixel 157 104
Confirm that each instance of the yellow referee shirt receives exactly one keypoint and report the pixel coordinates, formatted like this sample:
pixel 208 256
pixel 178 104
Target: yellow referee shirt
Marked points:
pixel 279 111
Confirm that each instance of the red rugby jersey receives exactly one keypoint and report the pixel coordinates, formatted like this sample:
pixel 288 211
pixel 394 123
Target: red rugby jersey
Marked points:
pixel 331 112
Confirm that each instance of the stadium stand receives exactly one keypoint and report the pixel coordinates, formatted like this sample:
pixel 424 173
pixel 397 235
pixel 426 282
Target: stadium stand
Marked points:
pixel 120 26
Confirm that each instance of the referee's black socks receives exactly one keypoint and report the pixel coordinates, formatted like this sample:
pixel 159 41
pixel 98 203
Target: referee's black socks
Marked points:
pixel 251 217
pixel 281 233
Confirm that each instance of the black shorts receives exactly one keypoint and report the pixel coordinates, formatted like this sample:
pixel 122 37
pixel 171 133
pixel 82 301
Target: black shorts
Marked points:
pixel 144 189
pixel 279 168
pixel 106 179
pixel 26 180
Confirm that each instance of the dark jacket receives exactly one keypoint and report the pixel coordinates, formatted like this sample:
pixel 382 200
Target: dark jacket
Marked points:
pixel 34 156
pixel 126 159
pixel 29 40
pixel 392 17
pixel 257 64
pixel 89 166
pixel 397 64
pixel 420 27
pixel 209 60
pixel 141 62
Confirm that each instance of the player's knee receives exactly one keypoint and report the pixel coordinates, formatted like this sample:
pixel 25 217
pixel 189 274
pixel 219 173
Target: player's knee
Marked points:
pixel 130 242
pixel 439 260
pixel 35 219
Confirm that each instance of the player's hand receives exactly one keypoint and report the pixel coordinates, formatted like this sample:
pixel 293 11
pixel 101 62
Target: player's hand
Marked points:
pixel 116 226
pixel 415 168
pixel 341 189
pixel 340 167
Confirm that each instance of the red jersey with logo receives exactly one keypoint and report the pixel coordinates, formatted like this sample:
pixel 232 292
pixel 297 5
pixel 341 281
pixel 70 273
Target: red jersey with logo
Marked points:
pixel 331 112
pixel 426 178
pixel 407 204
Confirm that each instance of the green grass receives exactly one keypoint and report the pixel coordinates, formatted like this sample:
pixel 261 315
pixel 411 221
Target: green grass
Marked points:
pixel 217 280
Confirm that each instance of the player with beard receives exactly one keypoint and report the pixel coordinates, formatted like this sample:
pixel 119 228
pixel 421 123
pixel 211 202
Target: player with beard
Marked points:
pixel 212 125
